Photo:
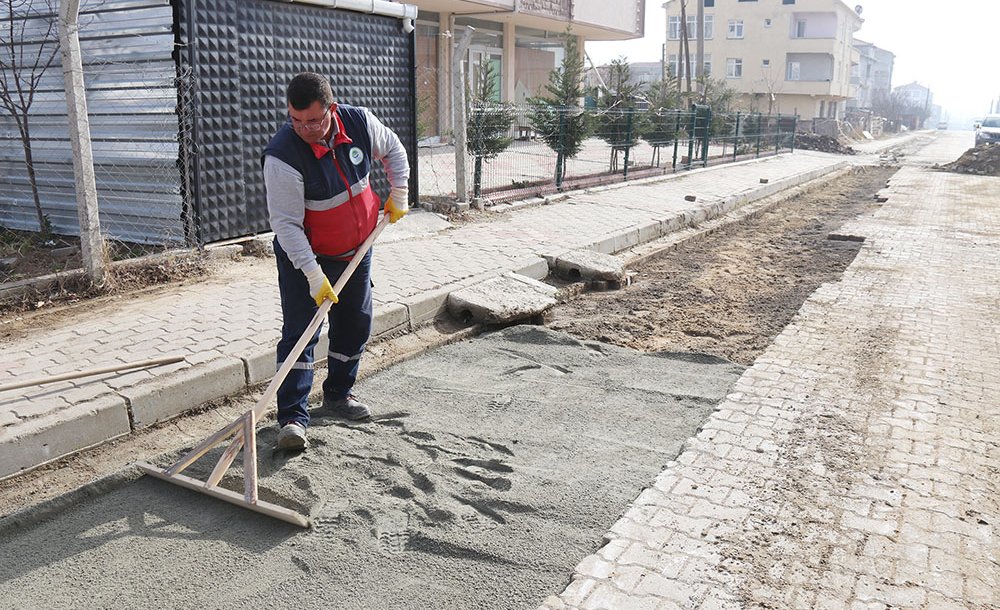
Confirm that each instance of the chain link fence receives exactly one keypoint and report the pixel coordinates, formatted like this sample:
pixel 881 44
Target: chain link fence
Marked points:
pixel 518 152
pixel 139 128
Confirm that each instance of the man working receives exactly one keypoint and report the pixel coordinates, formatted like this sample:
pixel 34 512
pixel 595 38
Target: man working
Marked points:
pixel 321 208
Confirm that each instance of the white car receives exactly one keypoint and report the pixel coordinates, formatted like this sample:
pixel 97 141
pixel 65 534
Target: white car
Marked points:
pixel 988 130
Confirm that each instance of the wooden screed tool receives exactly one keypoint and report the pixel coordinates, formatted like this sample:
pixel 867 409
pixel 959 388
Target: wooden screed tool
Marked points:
pixel 243 430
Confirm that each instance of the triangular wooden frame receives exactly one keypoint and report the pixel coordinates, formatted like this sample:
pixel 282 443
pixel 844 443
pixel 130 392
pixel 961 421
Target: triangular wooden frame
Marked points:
pixel 243 429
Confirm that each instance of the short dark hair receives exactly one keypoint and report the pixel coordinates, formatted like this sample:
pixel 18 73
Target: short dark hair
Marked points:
pixel 309 87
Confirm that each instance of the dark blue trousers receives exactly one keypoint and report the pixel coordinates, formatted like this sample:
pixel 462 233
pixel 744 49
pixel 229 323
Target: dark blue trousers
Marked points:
pixel 350 327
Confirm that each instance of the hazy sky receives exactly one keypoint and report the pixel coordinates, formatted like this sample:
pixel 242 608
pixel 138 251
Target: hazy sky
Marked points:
pixel 953 47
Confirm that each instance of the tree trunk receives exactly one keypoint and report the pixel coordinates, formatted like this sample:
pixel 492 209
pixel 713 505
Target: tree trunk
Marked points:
pixel 477 179
pixel 43 227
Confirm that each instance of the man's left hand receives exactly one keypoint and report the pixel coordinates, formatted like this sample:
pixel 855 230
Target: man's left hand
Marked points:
pixel 398 204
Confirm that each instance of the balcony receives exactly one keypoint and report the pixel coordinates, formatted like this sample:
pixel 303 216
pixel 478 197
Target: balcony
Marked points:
pixel 813 45
pixel 813 25
pixel 591 19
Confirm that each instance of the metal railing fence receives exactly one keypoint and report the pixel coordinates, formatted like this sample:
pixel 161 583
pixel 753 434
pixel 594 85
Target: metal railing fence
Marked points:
pixel 518 152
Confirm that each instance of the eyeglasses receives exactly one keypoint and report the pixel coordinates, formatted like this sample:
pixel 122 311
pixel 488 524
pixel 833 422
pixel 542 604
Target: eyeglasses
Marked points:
pixel 312 124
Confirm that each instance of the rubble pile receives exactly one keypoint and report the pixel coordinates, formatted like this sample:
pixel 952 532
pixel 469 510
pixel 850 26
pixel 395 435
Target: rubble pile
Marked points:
pixel 982 160
pixel 813 141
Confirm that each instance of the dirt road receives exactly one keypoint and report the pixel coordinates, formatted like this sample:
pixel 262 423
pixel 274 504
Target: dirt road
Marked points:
pixel 730 293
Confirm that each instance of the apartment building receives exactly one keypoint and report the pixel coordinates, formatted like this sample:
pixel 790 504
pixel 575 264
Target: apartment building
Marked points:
pixel 918 108
pixel 522 39
pixel 872 75
pixel 787 56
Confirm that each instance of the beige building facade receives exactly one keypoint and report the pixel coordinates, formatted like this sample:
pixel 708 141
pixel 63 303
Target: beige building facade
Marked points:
pixel 522 39
pixel 783 56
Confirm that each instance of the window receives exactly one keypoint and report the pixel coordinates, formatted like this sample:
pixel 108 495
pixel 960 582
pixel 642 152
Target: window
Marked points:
pixel 767 23
pixel 767 63
pixel 734 67
pixel 800 29
pixel 709 3
pixel 692 27
pixel 674 28
pixel 678 70
pixel 794 71
pixel 735 28
pixel 788 1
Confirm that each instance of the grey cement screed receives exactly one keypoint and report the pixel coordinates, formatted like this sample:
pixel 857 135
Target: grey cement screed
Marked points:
pixel 494 466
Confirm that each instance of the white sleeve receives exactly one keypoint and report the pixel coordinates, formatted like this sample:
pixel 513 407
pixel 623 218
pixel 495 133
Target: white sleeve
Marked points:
pixel 286 211
pixel 387 148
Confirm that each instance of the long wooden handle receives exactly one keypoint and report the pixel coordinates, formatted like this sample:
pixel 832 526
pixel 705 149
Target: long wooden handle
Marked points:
pixel 98 371
pixel 316 322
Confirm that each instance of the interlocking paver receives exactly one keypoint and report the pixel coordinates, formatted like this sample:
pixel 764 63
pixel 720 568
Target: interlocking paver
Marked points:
pixel 859 447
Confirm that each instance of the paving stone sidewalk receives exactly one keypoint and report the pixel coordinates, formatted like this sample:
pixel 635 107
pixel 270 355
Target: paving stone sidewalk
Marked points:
pixel 854 465
pixel 227 331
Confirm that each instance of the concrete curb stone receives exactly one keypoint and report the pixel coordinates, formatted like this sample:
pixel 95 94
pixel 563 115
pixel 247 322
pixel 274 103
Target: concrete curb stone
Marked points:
pixel 63 432
pixel 170 395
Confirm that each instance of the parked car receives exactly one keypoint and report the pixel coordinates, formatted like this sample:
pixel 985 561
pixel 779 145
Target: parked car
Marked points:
pixel 988 130
pixel 943 125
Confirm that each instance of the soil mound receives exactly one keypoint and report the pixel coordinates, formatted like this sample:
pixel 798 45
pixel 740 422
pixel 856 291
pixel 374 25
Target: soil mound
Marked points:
pixel 982 161
pixel 813 141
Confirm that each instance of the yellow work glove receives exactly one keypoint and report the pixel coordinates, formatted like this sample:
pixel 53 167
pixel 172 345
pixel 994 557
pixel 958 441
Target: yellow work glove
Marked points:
pixel 398 204
pixel 319 286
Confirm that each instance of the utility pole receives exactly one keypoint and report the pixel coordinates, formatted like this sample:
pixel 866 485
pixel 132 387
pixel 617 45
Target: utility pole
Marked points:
pixel 684 58
pixel 458 105
pixel 699 68
pixel 91 240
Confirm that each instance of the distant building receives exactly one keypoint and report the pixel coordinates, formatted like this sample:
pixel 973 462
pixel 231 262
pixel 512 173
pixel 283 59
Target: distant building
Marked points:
pixel 872 75
pixel 787 56
pixel 918 102
pixel 522 39
pixel 640 73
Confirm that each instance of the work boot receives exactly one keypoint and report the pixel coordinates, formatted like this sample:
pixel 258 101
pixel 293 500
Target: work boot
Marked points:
pixel 348 408
pixel 292 436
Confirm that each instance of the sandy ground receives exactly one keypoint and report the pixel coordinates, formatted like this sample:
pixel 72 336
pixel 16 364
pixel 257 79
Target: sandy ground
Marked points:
pixel 730 293
pixel 495 465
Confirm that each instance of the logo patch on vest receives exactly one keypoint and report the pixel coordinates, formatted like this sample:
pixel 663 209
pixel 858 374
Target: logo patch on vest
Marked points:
pixel 356 155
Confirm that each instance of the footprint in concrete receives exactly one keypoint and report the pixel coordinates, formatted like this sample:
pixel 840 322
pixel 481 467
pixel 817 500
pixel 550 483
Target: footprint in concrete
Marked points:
pixel 493 465
pixel 482 442
pixel 498 483
pixel 392 531
pixel 476 524
pixel 500 403
pixel 483 519
pixel 421 436
pixel 301 564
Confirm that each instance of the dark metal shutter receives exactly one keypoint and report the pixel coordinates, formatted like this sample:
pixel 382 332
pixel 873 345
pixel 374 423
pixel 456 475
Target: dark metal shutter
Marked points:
pixel 242 54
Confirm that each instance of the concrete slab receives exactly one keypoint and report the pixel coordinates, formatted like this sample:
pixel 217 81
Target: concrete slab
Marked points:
pixel 506 299
pixel 589 265
pixel 491 466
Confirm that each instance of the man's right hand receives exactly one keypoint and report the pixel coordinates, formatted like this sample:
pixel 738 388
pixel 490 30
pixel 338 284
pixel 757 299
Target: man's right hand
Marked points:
pixel 319 286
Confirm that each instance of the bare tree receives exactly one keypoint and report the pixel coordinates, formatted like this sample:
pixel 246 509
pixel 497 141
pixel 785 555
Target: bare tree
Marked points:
pixel 29 42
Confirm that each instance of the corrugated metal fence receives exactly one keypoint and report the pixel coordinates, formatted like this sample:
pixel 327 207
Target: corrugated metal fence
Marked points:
pixel 182 98
pixel 131 78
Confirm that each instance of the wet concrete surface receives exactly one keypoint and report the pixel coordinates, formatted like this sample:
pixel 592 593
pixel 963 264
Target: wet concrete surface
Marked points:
pixel 492 466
